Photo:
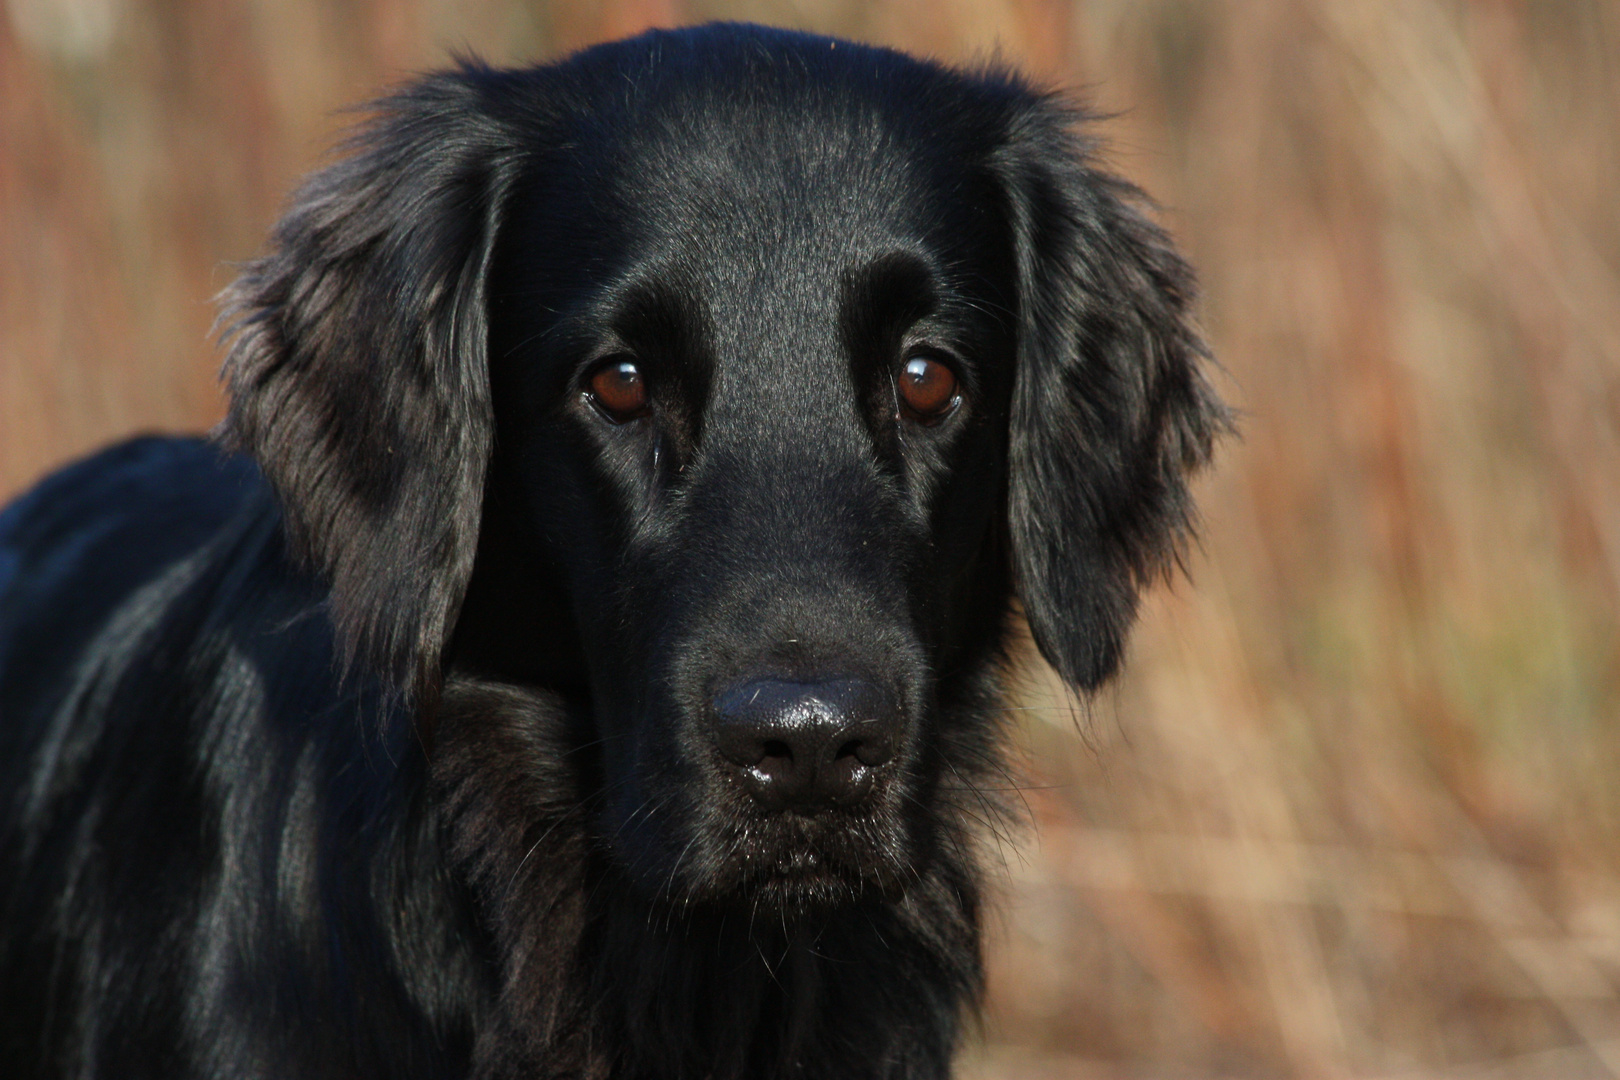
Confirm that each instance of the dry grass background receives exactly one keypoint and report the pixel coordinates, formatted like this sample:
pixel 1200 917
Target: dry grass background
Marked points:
pixel 1353 811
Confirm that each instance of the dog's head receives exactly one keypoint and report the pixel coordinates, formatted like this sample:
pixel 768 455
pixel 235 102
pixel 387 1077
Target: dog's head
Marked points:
pixel 731 383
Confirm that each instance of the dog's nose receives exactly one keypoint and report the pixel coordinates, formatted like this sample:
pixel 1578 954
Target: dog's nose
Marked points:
pixel 805 745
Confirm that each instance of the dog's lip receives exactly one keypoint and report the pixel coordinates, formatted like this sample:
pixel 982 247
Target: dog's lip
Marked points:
pixel 794 848
pixel 799 861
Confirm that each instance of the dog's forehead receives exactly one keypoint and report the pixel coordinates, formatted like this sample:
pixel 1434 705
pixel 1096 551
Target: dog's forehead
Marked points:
pixel 770 234
pixel 783 192
pixel 748 194
pixel 770 228
pixel 754 213
pixel 737 154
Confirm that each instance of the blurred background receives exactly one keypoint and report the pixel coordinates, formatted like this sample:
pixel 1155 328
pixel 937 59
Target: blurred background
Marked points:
pixel 1354 810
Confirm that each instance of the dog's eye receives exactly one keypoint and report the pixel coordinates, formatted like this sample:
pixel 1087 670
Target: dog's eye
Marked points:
pixel 618 389
pixel 927 389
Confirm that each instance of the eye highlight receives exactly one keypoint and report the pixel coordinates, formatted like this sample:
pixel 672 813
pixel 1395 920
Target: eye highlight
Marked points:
pixel 618 389
pixel 927 389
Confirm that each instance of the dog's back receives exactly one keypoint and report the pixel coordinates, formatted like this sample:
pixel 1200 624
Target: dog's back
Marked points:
pixel 91 563
pixel 175 743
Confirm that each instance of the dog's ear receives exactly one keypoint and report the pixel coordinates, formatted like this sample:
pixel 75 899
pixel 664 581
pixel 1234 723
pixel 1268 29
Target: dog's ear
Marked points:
pixel 1111 411
pixel 357 368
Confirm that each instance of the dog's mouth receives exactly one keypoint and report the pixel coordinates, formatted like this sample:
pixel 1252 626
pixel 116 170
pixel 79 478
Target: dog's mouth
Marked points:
pixel 791 862
pixel 786 864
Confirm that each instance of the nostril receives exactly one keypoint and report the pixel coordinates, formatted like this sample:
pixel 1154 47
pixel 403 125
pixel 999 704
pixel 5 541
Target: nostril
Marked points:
pixel 870 749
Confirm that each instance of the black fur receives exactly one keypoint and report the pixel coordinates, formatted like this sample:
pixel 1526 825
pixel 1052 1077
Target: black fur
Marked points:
pixel 378 743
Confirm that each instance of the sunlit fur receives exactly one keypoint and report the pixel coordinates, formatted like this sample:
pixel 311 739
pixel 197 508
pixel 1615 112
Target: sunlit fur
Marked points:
pixel 373 738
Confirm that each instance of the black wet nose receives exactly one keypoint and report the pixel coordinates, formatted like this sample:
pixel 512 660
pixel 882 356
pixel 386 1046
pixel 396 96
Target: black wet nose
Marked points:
pixel 802 745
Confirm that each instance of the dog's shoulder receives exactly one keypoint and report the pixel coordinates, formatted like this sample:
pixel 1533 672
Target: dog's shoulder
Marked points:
pixel 112 567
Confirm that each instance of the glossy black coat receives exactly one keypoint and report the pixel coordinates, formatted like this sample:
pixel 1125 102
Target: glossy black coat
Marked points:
pixel 397 732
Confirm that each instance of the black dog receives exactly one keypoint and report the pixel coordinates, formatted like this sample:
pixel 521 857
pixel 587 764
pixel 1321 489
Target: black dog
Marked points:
pixel 584 660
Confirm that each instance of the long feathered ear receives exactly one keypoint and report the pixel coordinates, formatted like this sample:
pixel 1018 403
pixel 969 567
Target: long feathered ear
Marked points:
pixel 1111 410
pixel 358 374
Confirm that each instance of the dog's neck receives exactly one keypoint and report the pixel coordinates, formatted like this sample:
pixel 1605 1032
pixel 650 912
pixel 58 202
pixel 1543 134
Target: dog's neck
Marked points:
pixel 596 980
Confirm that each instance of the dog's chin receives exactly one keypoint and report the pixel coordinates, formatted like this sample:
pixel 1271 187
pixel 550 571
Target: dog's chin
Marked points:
pixel 803 896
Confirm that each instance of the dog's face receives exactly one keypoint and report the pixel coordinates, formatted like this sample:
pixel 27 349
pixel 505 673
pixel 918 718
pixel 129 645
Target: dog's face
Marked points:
pixel 753 404
pixel 756 380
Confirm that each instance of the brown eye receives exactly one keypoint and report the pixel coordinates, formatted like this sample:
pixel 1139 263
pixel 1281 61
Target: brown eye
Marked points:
pixel 619 390
pixel 927 388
